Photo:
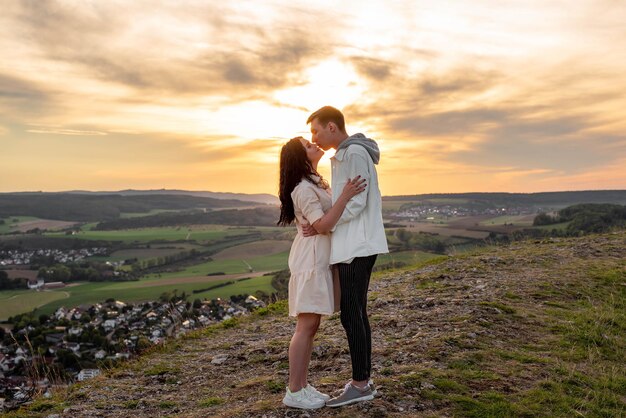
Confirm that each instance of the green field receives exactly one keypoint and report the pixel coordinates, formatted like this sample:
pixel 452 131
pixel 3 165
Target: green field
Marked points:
pixel 142 214
pixel 517 220
pixel 190 278
pixel 12 221
pixel 559 227
pixel 15 302
pixel 264 263
pixel 249 287
pixel 204 233
pixel 147 253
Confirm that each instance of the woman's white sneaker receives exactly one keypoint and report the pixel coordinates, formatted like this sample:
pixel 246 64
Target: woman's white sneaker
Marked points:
pixel 303 399
pixel 317 393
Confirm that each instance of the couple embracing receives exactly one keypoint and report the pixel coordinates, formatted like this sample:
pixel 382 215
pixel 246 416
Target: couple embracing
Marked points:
pixel 340 233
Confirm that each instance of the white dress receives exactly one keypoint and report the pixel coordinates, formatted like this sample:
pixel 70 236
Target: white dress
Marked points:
pixel 311 281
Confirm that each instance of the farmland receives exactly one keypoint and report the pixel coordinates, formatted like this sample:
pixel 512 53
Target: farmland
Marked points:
pixel 145 235
pixel 42 224
pixel 516 220
pixel 14 302
pixel 446 230
pixel 235 259
pixel 152 259
pixel 232 266
pixel 225 254
pixel 248 261
pixel 253 249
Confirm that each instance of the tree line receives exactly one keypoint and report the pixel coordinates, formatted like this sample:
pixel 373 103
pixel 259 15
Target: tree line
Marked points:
pixel 260 216
pixel 586 218
pixel 423 241
pixel 539 199
pixel 10 284
pixel 90 208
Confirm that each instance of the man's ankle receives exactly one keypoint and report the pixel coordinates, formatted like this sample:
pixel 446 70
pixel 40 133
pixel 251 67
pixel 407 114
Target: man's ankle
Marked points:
pixel 361 384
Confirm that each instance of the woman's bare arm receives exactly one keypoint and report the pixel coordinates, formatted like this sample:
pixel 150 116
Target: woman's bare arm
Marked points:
pixel 326 223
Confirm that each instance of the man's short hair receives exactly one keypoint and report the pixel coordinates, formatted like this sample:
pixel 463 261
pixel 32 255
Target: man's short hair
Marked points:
pixel 328 114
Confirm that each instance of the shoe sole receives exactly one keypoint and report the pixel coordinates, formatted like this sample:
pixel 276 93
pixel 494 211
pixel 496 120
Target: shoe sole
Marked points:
pixel 361 399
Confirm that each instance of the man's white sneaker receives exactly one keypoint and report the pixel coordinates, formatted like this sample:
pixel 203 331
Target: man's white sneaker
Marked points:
pixel 317 393
pixel 302 399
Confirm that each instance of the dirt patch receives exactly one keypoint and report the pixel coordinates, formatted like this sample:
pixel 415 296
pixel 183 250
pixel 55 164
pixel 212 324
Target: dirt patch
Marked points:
pixel 22 274
pixel 43 224
pixel 253 249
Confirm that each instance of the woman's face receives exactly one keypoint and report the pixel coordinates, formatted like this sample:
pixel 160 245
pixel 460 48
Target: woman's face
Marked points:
pixel 313 152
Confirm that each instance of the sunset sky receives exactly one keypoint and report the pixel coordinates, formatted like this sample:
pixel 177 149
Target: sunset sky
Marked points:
pixel 487 95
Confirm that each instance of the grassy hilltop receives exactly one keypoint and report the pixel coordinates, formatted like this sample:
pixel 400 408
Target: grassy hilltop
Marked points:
pixel 533 329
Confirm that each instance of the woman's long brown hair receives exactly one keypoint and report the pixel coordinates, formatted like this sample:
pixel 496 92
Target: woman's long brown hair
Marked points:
pixel 294 167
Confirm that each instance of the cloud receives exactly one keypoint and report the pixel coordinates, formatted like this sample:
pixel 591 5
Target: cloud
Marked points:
pixel 61 131
pixel 239 56
pixel 372 68
pixel 518 93
pixel 447 123
pixel 20 96
pixel 476 116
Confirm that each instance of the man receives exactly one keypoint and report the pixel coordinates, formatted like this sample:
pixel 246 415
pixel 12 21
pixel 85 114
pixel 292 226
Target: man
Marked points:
pixel 357 238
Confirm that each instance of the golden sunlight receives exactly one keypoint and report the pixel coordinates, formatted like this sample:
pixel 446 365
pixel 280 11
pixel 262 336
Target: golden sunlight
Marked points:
pixel 329 82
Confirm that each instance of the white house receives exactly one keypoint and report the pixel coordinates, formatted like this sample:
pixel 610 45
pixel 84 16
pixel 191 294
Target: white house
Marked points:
pixel 4 363
pixel 109 324
pixel 35 283
pixel 60 313
pixel 75 331
pixel 75 347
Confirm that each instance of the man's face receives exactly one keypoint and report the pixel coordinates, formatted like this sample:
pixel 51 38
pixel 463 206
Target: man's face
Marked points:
pixel 321 135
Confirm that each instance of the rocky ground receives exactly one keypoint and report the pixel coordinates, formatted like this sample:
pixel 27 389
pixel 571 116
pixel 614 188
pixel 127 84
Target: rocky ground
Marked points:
pixel 536 328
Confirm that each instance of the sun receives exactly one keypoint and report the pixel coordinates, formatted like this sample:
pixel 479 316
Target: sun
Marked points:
pixel 330 82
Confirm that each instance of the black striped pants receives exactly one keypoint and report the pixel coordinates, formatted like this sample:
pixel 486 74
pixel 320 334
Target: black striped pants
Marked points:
pixel 354 279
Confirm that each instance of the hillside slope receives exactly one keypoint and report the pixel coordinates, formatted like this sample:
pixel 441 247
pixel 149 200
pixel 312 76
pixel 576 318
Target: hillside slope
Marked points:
pixel 532 329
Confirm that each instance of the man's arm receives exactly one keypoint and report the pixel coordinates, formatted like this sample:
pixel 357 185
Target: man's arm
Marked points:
pixel 357 164
pixel 326 223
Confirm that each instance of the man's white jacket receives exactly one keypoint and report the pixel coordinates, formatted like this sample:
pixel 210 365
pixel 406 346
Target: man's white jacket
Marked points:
pixel 359 231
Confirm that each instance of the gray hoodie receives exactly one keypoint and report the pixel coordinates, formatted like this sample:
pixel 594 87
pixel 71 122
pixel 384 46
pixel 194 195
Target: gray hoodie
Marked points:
pixel 369 144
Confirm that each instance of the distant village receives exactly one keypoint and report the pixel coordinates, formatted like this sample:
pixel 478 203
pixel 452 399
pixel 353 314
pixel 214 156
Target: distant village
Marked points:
pixel 17 258
pixel 76 343
pixel 426 212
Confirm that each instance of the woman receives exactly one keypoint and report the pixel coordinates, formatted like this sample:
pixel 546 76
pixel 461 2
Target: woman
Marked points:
pixel 305 198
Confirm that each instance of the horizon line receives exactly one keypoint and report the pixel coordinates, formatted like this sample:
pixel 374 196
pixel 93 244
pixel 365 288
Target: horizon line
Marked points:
pixel 79 191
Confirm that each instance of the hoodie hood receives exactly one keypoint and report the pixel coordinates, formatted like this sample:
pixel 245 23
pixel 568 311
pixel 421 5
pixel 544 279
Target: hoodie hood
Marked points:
pixel 369 144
